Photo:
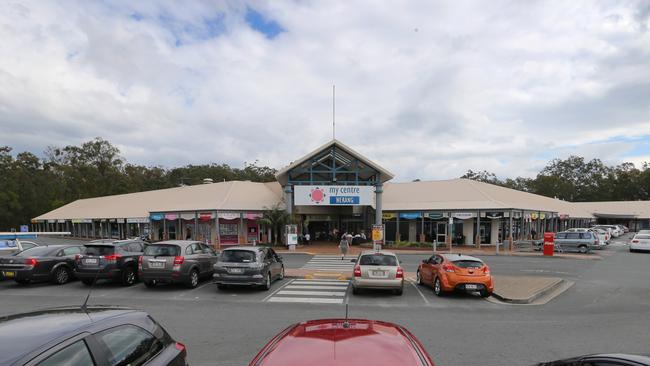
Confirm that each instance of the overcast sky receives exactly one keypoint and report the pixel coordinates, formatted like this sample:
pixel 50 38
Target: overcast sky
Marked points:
pixel 427 89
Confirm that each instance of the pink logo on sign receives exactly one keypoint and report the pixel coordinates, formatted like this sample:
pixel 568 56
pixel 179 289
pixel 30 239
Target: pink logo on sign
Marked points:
pixel 317 195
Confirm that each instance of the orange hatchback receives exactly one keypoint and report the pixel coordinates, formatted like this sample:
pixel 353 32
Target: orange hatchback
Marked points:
pixel 450 272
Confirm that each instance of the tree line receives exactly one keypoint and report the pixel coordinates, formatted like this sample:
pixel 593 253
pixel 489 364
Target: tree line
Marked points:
pixel 578 180
pixel 30 185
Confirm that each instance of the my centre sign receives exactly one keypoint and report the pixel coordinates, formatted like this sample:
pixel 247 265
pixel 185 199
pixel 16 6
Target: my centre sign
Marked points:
pixel 333 195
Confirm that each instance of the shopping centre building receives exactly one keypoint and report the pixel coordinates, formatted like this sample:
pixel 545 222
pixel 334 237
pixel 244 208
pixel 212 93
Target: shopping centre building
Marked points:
pixel 333 190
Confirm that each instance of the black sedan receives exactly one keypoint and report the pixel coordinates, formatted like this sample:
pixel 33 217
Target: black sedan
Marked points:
pixel 87 336
pixel 613 359
pixel 46 263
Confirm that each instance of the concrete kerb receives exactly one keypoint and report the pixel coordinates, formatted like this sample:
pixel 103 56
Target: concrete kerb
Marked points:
pixel 552 283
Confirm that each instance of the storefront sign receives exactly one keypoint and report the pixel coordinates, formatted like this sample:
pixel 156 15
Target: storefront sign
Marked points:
pixel 494 215
pixel 137 220
pixel 205 216
pixel 188 216
pixel 434 215
pixel 542 216
pixel 253 215
pixel 51 221
pixel 564 216
pixel 319 218
pixel 333 195
pixel 171 217
pixel 463 215
pixel 119 221
pixel 534 216
pixel 410 215
pixel 388 215
pixel 229 215
pixel 156 217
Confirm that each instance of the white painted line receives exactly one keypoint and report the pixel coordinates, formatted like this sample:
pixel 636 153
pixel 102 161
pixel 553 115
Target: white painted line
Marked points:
pixel 274 292
pixel 306 300
pixel 311 293
pixel 299 287
pixel 421 294
pixel 342 284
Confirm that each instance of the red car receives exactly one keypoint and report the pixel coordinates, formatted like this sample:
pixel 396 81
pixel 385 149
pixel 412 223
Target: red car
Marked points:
pixel 334 342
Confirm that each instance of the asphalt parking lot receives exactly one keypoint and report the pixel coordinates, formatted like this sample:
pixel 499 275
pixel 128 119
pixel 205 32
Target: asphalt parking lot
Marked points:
pixel 605 311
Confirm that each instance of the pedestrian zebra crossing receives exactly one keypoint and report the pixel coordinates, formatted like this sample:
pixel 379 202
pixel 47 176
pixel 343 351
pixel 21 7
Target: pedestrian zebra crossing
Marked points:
pixel 316 291
pixel 330 263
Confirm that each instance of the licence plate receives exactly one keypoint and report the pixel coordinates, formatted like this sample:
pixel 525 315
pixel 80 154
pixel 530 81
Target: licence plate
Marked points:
pixel 471 287
pixel 157 264
pixel 90 261
pixel 379 273
pixel 9 274
pixel 236 270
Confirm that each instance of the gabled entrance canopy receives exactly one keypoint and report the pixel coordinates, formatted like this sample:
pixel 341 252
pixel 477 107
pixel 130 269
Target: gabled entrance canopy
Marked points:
pixel 336 164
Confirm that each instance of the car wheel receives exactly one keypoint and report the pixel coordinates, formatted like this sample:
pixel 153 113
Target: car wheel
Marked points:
pixel 194 279
pixel 61 276
pixel 399 291
pixel 485 293
pixel 150 283
pixel 418 280
pixel 437 287
pixel 87 281
pixel 128 277
pixel 582 249
pixel 282 274
pixel 267 284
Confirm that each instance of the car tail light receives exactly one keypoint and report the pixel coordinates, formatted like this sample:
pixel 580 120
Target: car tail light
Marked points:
pixel 357 271
pixel 31 262
pixel 140 262
pixel 447 267
pixel 113 257
pixel 486 270
pixel 181 347
pixel 635 241
pixel 179 260
pixel 400 273
pixel 77 257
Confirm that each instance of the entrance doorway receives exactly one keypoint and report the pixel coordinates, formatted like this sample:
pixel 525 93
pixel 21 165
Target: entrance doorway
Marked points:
pixel 320 231
pixel 441 232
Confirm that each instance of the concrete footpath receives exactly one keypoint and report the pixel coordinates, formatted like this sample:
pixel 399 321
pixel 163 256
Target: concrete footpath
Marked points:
pixel 508 289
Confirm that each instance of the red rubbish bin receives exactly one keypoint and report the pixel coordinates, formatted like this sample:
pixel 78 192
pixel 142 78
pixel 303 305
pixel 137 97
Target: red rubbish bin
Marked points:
pixel 549 243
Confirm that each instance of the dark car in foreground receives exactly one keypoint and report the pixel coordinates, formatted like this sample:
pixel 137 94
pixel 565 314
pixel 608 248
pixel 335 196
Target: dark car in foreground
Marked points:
pixel 334 342
pixel 176 261
pixel 606 359
pixel 111 260
pixel 253 266
pixel 96 335
pixel 46 263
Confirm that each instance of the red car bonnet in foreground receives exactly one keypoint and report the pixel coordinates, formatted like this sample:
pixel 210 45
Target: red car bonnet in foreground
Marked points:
pixel 331 342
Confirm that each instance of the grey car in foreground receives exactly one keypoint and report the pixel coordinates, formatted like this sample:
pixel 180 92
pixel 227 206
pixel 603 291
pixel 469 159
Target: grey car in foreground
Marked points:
pixel 610 359
pixel 176 261
pixel 250 266
pixel 96 335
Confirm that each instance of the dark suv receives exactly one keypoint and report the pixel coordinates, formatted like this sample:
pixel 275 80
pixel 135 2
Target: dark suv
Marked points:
pixel 93 336
pixel 111 260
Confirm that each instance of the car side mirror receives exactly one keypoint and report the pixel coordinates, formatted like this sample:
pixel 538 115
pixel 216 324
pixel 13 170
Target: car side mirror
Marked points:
pixel 353 260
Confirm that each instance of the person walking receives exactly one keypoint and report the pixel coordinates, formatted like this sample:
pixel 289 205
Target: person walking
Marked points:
pixel 344 245
pixel 307 238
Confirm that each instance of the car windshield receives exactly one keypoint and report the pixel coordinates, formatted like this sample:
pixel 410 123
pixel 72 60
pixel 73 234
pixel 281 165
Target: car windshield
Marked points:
pixel 377 260
pixel 37 251
pixel 237 256
pixel 466 263
pixel 99 250
pixel 163 250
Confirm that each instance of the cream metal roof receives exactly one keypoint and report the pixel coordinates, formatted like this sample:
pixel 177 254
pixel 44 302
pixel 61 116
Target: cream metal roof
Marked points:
pixel 456 194
pixel 281 176
pixel 233 195
pixel 465 194
pixel 636 209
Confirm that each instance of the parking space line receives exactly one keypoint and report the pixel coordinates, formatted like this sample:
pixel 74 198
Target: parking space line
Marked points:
pixel 312 293
pixel 276 291
pixel 420 292
pixel 300 287
pixel 306 300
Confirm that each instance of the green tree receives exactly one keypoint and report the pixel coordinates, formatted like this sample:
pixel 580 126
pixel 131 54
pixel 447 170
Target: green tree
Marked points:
pixel 275 218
